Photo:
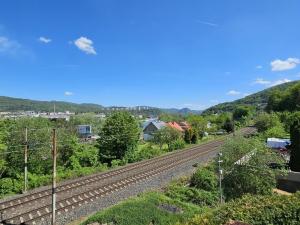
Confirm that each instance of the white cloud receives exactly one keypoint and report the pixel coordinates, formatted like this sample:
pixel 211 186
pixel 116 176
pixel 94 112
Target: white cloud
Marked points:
pixel 207 23
pixel 269 83
pixel 262 81
pixel 68 93
pixel 259 67
pixel 45 40
pixel 277 82
pixel 233 92
pixel 281 65
pixel 8 46
pixel 85 45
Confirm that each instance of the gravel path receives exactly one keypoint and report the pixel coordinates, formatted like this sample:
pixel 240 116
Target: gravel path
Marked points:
pixel 154 183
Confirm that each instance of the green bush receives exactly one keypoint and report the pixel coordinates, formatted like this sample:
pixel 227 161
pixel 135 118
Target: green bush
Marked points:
pixel 177 144
pixel 277 132
pixel 144 210
pixel 265 121
pixel 204 179
pixel 244 179
pixel 255 210
pixel 192 195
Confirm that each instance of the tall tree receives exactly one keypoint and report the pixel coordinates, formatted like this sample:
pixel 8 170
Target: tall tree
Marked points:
pixel 295 142
pixel 119 135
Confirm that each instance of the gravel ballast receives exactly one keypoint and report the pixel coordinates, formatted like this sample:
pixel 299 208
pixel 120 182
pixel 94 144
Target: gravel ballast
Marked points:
pixel 154 183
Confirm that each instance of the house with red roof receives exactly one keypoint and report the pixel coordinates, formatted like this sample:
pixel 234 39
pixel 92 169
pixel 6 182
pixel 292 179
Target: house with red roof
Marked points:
pixel 175 126
pixel 184 125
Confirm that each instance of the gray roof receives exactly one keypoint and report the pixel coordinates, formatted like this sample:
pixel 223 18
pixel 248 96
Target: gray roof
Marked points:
pixel 158 124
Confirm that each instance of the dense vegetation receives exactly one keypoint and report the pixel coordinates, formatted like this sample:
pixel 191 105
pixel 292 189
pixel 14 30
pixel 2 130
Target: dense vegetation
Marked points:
pixel 254 210
pixel 119 143
pixel 200 194
pixel 258 100
pixel 9 104
pixel 17 104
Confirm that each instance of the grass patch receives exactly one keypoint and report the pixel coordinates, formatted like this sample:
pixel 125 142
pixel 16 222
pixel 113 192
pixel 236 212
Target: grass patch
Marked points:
pixel 144 210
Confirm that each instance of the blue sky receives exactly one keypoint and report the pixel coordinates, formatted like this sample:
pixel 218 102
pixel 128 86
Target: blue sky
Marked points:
pixel 165 53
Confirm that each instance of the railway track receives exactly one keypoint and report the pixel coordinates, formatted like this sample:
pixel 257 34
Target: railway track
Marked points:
pixel 34 208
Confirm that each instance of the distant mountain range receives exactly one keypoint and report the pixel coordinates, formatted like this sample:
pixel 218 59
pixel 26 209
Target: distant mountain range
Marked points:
pixel 9 104
pixel 259 100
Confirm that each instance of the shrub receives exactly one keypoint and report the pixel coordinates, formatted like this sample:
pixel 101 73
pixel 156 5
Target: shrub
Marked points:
pixel 193 195
pixel 265 121
pixel 177 144
pixel 244 179
pixel 204 179
pixel 277 131
pixel 255 210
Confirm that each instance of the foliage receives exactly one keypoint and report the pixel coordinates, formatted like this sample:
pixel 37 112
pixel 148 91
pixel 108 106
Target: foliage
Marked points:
pixel 241 112
pixel 190 136
pixel 295 143
pixel 252 174
pixel 204 179
pixel 258 100
pixel 87 119
pixel 277 131
pixel 177 144
pixel 119 135
pixel 167 117
pixel 198 123
pixel 145 209
pixel 265 121
pixel 228 125
pixel 193 195
pixel 169 136
pixel 288 100
pixel 255 210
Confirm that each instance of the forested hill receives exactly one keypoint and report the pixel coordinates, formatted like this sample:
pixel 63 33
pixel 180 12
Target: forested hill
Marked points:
pixel 18 104
pixel 258 100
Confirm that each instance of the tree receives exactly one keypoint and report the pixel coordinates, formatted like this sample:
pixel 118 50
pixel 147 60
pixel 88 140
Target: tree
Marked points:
pixel 119 135
pixel 191 136
pixel 198 124
pixel 166 135
pixel 252 175
pixel 240 113
pixel 228 125
pixel 287 100
pixel 265 121
pixel 295 142
pixel 3 163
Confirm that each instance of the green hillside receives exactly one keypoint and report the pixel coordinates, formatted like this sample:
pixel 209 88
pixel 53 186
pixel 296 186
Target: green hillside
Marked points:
pixel 258 100
pixel 18 104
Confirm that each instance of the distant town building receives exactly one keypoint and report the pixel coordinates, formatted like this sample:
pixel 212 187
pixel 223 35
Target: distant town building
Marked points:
pixel 84 131
pixel 150 127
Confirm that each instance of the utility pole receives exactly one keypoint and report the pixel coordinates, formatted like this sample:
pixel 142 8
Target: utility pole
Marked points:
pixel 220 177
pixel 54 176
pixel 26 161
